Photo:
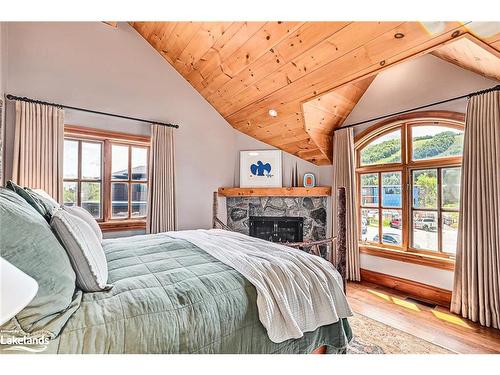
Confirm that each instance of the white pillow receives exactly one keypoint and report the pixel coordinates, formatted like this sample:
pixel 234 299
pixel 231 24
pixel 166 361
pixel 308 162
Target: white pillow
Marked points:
pixel 83 214
pixel 84 251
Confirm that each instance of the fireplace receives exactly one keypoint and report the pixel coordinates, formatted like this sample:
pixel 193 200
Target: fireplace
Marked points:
pixel 277 228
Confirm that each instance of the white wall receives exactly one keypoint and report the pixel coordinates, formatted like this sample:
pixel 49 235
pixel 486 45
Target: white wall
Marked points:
pixel 417 82
pixel 115 70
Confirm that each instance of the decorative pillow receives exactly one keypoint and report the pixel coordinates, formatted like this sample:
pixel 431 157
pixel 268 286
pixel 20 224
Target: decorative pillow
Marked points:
pixel 84 250
pixel 50 203
pixel 38 199
pixel 83 214
pixel 36 204
pixel 27 242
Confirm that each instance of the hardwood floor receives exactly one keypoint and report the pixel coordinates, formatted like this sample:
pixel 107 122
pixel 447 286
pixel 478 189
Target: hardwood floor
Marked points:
pixel 436 325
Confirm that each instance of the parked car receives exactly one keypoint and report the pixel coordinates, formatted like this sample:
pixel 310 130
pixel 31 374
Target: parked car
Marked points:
pixel 396 223
pixel 390 238
pixel 426 223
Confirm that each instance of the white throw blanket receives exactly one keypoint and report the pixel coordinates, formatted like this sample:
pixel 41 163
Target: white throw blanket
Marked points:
pixel 296 292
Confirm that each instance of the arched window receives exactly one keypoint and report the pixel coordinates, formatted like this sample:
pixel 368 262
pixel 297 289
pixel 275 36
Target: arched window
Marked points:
pixel 408 178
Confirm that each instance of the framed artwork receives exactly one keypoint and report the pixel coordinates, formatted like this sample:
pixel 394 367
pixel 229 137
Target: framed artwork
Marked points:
pixel 260 168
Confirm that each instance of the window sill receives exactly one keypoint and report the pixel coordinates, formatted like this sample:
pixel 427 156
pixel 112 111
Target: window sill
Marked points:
pixel 408 257
pixel 120 225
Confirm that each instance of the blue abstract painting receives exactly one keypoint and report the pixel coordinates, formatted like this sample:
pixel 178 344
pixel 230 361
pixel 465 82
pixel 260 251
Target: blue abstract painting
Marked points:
pixel 260 169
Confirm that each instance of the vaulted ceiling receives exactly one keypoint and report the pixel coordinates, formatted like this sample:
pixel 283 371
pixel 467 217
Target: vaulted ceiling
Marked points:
pixel 311 73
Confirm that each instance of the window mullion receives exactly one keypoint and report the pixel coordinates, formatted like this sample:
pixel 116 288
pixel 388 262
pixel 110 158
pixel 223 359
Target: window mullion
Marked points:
pixel 409 217
pixel 380 239
pixel 405 201
pixel 129 182
pixel 79 183
pixel 439 224
pixel 107 181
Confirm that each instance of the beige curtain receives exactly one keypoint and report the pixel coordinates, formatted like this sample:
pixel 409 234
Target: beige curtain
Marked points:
pixel 476 292
pixel 38 148
pixel 344 175
pixel 161 191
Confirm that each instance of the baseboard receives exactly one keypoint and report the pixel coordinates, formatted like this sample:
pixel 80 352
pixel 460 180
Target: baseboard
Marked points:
pixel 423 292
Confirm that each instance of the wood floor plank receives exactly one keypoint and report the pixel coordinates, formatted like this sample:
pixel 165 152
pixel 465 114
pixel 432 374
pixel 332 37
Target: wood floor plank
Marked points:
pixel 436 325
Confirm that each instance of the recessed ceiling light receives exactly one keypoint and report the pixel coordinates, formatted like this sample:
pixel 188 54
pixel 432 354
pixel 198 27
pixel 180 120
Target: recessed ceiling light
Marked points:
pixel 399 35
pixel 273 113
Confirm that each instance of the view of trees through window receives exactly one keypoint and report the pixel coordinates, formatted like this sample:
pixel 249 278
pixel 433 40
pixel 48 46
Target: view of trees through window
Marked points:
pixel 385 149
pixel 433 188
pixel 428 142
pixel 436 142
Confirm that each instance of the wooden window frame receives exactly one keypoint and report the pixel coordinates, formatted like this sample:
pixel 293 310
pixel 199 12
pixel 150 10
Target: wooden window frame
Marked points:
pixel 108 138
pixel 406 123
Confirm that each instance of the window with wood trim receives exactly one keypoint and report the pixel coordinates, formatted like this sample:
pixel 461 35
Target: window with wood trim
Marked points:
pixel 408 178
pixel 107 174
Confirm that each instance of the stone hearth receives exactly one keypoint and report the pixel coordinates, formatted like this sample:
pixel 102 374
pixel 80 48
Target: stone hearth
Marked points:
pixel 312 209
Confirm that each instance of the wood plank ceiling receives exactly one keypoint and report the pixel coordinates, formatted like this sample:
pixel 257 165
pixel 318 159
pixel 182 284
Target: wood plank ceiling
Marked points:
pixel 311 73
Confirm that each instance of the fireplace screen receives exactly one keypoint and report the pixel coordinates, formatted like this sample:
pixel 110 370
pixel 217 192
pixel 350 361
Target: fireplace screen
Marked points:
pixel 277 229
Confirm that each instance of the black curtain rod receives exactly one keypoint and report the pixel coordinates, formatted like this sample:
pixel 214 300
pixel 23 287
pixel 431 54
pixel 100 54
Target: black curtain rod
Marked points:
pixel 495 88
pixel 25 99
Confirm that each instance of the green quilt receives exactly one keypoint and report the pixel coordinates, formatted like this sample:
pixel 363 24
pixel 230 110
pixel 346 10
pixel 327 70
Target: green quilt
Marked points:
pixel 172 297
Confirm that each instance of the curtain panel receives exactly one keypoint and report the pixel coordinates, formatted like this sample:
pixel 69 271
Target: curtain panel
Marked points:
pixel 344 176
pixel 476 292
pixel 161 191
pixel 38 148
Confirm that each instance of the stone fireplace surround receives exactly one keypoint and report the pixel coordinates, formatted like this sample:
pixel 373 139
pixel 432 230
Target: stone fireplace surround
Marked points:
pixel 312 209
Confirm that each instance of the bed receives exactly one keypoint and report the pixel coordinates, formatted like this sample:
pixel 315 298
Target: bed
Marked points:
pixel 170 296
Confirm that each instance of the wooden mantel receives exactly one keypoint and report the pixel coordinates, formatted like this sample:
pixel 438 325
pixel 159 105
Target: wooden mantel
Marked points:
pixel 318 191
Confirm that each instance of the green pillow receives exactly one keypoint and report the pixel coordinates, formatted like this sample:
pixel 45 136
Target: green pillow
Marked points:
pixel 49 204
pixel 27 242
pixel 43 204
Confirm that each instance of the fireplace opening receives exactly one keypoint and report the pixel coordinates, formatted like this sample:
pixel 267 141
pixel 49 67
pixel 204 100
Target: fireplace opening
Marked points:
pixel 277 229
